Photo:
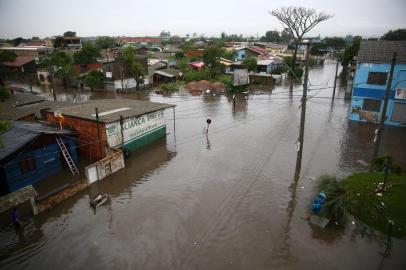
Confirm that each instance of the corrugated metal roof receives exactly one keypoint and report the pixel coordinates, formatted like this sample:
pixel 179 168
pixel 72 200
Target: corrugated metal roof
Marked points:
pixel 87 110
pixel 381 51
pixel 23 104
pixel 22 133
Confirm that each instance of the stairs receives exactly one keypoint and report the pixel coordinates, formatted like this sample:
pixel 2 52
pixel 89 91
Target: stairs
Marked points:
pixel 67 156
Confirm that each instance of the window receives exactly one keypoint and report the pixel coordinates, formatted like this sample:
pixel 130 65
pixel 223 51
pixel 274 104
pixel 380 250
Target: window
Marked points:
pixel 372 105
pixel 377 78
pixel 27 165
pixel 399 112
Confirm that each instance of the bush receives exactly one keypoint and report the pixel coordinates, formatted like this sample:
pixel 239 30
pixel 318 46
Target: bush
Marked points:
pixel 298 72
pixel 379 163
pixel 279 69
pixel 197 75
pixel 335 205
pixel 4 93
pixel 172 86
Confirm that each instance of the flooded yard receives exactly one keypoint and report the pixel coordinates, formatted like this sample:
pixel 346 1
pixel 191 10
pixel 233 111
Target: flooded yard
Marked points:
pixel 228 200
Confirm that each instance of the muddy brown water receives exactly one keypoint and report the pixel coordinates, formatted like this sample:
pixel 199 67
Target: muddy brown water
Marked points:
pixel 228 200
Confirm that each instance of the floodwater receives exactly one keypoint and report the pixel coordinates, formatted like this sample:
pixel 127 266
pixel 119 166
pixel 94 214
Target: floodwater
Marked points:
pixel 228 200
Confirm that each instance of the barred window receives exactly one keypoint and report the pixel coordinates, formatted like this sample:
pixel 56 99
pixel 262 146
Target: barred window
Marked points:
pixel 372 105
pixel 377 78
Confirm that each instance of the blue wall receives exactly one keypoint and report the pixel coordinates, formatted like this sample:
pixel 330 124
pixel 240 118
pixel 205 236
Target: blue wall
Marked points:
pixel 363 90
pixel 47 161
pixel 239 54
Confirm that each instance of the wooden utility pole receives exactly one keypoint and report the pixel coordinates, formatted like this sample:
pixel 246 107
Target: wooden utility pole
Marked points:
pixel 385 107
pixel 335 80
pixel 303 113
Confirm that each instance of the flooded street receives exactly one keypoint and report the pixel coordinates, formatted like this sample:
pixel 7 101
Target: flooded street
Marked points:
pixel 228 200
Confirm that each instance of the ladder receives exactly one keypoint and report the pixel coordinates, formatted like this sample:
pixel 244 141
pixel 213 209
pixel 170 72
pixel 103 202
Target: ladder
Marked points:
pixel 67 156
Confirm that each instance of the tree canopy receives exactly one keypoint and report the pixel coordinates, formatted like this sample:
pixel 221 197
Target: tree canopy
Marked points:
pixel 251 63
pixel 335 42
pixel 69 34
pixel 94 79
pixel 5 56
pixel 399 34
pixel 87 55
pixel 271 36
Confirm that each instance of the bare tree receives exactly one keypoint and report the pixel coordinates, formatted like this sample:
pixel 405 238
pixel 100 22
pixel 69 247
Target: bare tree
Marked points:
pixel 299 20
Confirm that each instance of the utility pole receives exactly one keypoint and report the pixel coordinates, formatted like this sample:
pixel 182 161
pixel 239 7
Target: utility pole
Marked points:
pixel 385 106
pixel 303 114
pixel 335 81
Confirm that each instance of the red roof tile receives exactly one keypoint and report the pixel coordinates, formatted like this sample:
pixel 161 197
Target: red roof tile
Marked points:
pixel 20 61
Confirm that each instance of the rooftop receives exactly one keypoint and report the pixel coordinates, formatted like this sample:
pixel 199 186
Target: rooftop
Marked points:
pixel 23 104
pixel 110 109
pixel 381 51
pixel 20 61
pixel 23 133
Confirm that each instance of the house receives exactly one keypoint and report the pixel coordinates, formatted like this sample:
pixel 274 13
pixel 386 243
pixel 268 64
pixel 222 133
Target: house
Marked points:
pixel 72 43
pixel 26 106
pixel 371 79
pixel 31 153
pixel 251 51
pixel 196 65
pixel 268 65
pixel 118 76
pixel 121 123
pixel 273 48
pixel 166 75
pixel 22 64
pixel 140 41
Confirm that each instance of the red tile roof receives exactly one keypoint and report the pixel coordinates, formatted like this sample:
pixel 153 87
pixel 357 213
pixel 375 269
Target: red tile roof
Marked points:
pixel 20 61
pixel 257 49
pixel 35 43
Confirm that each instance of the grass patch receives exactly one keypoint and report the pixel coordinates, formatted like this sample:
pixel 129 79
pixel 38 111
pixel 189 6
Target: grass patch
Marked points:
pixel 172 86
pixel 364 204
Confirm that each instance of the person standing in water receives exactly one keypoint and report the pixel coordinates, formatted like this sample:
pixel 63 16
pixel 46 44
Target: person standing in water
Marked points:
pixel 16 218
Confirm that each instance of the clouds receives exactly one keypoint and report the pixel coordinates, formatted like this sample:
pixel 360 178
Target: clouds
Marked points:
pixel 209 17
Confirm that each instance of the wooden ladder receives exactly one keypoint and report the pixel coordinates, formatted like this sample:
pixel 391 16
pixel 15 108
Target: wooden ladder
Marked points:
pixel 67 156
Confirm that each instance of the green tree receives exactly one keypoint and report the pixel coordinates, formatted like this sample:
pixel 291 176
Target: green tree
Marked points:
pixel 271 36
pixel 179 55
pixel 251 63
pixel 59 42
pixel 87 55
pixel 59 64
pixel 94 79
pixel 134 67
pixel 69 34
pixel 105 43
pixel 399 34
pixel 335 42
pixel 5 56
pixel 211 57
pixel 351 51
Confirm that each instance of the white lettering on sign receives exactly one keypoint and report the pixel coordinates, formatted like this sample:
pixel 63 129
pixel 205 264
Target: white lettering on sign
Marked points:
pixel 134 127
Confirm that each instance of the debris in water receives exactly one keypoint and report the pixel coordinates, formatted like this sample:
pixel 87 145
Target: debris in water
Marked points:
pixel 195 243
pixel 379 194
pixel 353 222
pixel 358 194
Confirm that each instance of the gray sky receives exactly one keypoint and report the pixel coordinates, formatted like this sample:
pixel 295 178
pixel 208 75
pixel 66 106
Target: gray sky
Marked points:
pixel 209 17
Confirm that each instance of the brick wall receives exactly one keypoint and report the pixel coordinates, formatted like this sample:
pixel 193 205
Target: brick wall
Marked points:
pixel 88 139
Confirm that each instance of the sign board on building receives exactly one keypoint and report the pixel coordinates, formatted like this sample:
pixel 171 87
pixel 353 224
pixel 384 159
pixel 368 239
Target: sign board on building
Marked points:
pixel 241 77
pixel 134 128
pixel 109 74
pixel 400 94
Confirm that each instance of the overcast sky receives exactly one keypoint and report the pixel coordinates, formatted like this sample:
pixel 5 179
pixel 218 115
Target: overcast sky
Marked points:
pixel 209 17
